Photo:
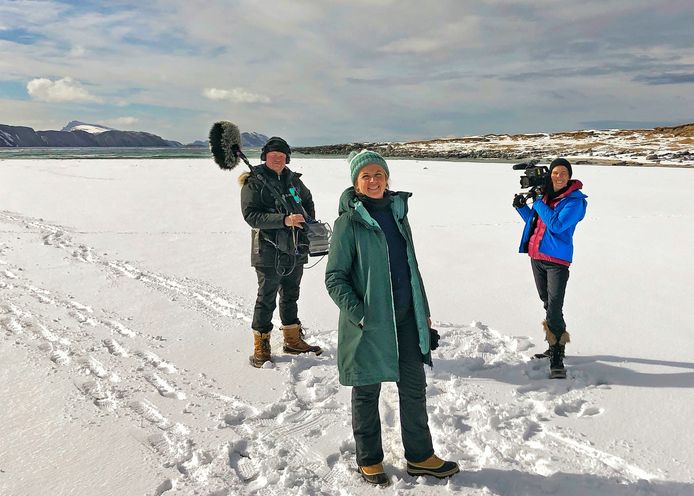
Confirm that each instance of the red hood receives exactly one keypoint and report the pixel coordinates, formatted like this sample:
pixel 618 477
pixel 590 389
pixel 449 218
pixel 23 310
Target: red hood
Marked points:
pixel 574 185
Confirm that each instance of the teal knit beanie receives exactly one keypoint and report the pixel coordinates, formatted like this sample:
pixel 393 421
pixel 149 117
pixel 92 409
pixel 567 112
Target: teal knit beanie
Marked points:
pixel 359 160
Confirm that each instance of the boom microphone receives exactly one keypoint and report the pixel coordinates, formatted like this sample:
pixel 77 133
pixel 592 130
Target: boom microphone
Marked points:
pixel 225 145
pixel 525 165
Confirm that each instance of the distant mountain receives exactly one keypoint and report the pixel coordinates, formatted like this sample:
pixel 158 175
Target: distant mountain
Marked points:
pixel 89 128
pixel 19 136
pixel 80 134
pixel 248 140
pixel 253 140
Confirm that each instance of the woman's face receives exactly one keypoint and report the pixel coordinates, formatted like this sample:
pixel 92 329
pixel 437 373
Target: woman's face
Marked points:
pixel 275 161
pixel 560 177
pixel 372 181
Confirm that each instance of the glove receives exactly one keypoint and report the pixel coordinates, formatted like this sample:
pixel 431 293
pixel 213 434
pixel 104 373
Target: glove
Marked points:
pixel 519 201
pixel 433 339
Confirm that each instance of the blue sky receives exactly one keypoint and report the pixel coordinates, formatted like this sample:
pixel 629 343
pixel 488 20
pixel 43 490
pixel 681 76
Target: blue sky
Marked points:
pixel 336 71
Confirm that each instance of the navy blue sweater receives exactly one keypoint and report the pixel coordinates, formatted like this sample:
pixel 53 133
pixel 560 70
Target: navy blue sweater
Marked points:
pixel 381 212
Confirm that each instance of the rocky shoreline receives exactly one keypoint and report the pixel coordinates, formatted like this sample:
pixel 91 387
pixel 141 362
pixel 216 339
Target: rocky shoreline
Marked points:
pixel 664 147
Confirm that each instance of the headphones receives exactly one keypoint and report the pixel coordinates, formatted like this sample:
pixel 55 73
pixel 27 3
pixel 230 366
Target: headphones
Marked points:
pixel 276 144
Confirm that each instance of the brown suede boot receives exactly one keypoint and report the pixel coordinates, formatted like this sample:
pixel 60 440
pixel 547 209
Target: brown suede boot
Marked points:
pixel 552 339
pixel 433 466
pixel 261 349
pixel 374 474
pixel 294 343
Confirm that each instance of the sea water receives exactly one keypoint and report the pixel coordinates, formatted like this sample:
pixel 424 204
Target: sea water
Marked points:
pixel 110 153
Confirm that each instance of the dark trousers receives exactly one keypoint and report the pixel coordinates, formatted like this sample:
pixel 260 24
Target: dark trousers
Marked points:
pixel 550 280
pixel 269 284
pixel 414 422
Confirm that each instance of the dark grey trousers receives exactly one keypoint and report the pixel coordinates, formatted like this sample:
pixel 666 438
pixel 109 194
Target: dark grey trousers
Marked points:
pixel 414 421
pixel 550 280
pixel 269 284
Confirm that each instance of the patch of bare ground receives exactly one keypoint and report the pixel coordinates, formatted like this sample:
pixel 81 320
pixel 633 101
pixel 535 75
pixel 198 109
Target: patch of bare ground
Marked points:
pixel 686 130
pixel 588 146
pixel 517 137
pixel 573 135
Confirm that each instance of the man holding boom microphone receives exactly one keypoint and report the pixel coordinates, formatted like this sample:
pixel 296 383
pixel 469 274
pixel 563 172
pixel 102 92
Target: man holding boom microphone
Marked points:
pixel 273 202
pixel 558 206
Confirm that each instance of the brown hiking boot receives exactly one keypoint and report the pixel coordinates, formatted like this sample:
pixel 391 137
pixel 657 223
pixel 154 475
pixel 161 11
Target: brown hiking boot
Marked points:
pixel 294 343
pixel 261 349
pixel 433 466
pixel 374 474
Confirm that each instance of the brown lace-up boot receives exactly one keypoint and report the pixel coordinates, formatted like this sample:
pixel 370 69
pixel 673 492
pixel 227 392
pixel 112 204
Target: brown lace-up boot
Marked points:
pixel 374 474
pixel 261 349
pixel 294 342
pixel 434 466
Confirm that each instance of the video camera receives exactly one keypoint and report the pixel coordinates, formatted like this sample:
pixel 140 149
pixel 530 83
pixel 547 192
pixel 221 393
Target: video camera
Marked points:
pixel 534 177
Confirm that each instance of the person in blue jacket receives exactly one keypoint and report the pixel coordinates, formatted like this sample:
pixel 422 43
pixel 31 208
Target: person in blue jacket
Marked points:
pixel 548 240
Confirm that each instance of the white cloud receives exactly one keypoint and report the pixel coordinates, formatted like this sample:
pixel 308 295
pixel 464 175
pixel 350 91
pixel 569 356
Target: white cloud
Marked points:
pixel 237 95
pixel 451 68
pixel 413 45
pixel 122 121
pixel 60 90
pixel 78 51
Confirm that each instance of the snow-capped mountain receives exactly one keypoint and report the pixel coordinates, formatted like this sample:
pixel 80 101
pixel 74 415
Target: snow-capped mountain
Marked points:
pixel 248 140
pixel 253 139
pixel 89 128
pixel 80 135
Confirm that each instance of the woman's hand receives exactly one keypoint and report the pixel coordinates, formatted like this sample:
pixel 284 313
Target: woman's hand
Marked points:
pixel 294 220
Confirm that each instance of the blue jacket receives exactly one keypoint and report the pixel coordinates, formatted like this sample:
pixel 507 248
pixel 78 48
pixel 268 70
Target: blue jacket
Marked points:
pixel 561 223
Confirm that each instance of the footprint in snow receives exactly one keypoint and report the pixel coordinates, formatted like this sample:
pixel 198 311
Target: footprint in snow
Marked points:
pixel 91 365
pixel 153 359
pixel 120 328
pixel 100 395
pixel 115 348
pixel 246 468
pixel 150 413
pixel 60 357
pixel 164 388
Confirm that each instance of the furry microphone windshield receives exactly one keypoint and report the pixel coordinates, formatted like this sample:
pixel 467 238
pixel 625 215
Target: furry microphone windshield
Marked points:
pixel 225 144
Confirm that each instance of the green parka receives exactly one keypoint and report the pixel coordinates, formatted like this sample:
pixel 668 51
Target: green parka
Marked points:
pixel 357 277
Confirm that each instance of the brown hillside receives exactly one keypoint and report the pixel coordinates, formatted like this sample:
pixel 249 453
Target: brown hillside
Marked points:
pixel 683 130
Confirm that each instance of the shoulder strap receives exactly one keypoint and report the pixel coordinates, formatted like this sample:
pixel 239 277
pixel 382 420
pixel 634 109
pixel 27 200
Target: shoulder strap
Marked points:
pixel 276 193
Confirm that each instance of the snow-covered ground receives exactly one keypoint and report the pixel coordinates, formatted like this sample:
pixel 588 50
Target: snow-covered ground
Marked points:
pixel 126 296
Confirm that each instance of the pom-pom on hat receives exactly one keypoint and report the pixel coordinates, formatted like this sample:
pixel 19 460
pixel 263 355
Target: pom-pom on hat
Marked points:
pixel 561 161
pixel 359 160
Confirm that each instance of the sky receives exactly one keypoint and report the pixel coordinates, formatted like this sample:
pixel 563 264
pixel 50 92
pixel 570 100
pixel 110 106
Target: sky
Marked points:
pixel 333 71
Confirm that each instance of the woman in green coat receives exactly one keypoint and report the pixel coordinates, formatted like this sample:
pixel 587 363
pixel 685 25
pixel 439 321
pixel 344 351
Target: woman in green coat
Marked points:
pixel 384 328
